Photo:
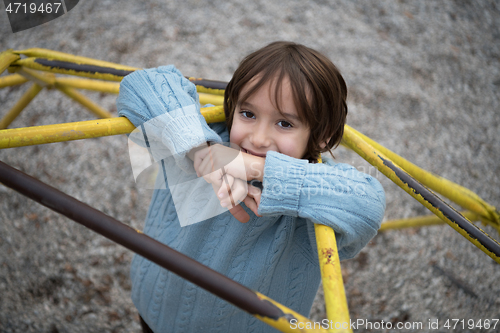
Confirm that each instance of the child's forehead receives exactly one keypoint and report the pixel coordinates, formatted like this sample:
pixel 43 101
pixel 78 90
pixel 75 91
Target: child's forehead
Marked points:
pixel 279 91
pixel 276 87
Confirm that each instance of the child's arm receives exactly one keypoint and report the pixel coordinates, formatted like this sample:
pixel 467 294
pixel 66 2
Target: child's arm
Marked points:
pixel 167 106
pixel 229 170
pixel 336 195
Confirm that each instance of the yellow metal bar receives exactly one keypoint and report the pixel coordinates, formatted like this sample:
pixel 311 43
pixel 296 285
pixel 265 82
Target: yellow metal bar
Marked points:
pixel 429 220
pixel 95 85
pixel 210 91
pixel 291 321
pixel 422 221
pixel 213 114
pixel 114 88
pixel 25 99
pixel 39 64
pixel 337 310
pixel 93 107
pixel 28 136
pixel 61 56
pixel 102 86
pixel 6 58
pixel 211 99
pixel 456 193
pixel 335 299
pixel 209 86
pixel 12 80
pixel 43 79
pixel 394 173
pixel 36 135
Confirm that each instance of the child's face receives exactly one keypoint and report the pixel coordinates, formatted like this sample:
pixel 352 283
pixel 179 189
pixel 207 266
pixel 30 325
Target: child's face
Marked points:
pixel 258 127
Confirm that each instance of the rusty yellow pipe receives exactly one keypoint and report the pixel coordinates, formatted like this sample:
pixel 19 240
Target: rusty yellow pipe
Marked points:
pixel 6 58
pixel 94 72
pixel 43 79
pixel 91 69
pixel 213 114
pixel 108 73
pixel 25 99
pixel 210 91
pixel 456 193
pixel 88 84
pixel 12 80
pixel 291 321
pixel 429 220
pixel 114 88
pixel 61 56
pixel 93 107
pixel 210 99
pixel 36 135
pixel 28 136
pixel 422 221
pixel 335 299
pixel 396 174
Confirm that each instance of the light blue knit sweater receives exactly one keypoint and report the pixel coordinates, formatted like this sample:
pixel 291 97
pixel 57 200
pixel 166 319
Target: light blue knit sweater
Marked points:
pixel 274 254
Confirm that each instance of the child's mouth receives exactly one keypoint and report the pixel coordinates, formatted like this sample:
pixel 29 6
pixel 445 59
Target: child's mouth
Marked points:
pixel 252 153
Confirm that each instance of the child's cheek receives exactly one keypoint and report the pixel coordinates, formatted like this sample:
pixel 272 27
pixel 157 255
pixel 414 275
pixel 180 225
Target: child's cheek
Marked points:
pixel 235 135
pixel 295 147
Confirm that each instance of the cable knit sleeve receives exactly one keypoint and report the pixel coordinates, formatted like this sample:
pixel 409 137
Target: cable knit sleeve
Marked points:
pixel 336 195
pixel 165 105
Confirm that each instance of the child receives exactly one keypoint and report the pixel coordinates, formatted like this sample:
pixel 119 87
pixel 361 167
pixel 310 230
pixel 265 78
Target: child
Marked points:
pixel 285 105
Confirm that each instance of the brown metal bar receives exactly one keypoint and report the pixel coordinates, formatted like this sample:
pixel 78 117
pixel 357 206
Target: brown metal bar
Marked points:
pixel 136 241
pixel 254 303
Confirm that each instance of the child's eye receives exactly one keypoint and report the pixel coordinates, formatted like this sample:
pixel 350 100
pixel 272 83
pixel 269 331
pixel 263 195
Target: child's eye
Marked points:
pixel 247 114
pixel 284 124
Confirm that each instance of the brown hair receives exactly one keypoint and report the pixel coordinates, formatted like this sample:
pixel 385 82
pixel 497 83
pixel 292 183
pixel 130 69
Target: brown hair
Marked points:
pixel 318 89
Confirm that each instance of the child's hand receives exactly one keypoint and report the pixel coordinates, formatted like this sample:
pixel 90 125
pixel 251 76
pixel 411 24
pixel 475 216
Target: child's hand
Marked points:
pixel 236 191
pixel 228 170
pixel 252 200
pixel 232 191
pixel 232 195
pixel 214 161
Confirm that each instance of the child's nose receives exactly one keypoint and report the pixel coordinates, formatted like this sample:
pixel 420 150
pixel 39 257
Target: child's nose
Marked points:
pixel 261 137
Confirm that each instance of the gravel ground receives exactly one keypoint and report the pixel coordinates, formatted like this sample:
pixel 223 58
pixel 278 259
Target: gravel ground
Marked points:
pixel 424 81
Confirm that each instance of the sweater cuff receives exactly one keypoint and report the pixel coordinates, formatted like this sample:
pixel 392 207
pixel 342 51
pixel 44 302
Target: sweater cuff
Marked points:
pixel 185 132
pixel 283 177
